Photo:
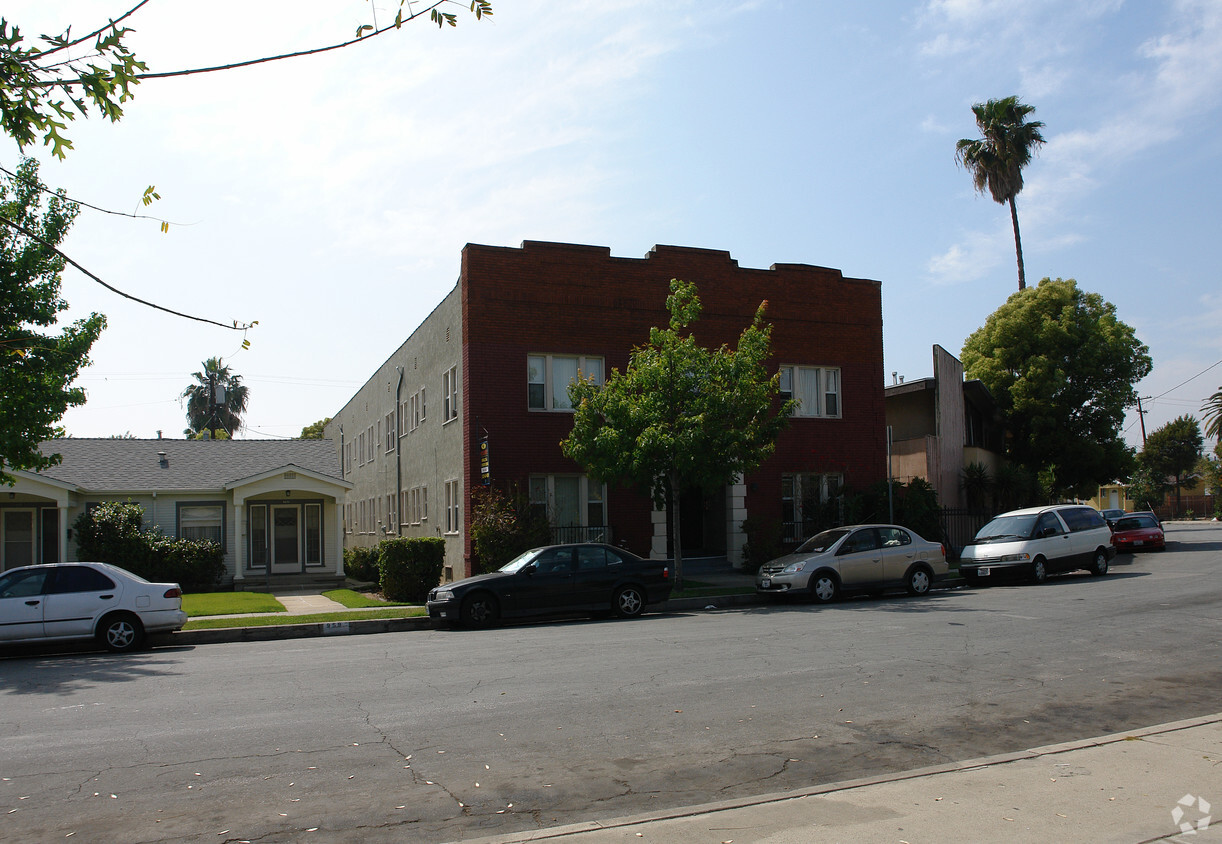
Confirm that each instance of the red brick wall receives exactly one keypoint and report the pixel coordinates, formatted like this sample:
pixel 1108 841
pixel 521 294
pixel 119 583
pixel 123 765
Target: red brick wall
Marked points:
pixel 550 298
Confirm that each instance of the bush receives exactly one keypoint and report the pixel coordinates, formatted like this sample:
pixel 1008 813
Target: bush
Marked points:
pixel 503 525
pixel 114 533
pixel 361 564
pixel 409 568
pixel 763 542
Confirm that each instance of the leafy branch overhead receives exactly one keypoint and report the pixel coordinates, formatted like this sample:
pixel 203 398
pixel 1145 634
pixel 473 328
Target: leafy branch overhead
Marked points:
pixel 45 84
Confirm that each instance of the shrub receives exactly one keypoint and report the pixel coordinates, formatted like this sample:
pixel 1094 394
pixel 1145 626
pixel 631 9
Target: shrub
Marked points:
pixel 361 564
pixel 114 533
pixel 763 542
pixel 409 568
pixel 503 525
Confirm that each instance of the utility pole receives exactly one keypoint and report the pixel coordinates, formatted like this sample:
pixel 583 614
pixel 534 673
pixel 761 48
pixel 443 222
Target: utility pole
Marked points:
pixel 1141 414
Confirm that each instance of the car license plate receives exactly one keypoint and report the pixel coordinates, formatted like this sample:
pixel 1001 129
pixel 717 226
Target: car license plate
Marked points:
pixel 983 572
pixel 1138 541
pixel 766 582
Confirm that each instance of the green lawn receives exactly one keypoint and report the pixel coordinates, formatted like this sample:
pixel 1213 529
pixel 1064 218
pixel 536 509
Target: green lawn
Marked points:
pixel 229 603
pixel 358 600
pixel 266 620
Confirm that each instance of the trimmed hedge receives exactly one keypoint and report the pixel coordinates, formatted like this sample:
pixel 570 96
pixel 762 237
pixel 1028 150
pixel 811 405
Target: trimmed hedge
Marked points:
pixel 361 563
pixel 409 568
pixel 113 532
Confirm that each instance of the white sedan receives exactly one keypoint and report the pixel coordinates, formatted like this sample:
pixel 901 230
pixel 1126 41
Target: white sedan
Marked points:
pixel 63 602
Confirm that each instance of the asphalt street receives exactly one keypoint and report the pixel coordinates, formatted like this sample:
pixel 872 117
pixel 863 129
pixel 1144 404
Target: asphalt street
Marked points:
pixel 449 734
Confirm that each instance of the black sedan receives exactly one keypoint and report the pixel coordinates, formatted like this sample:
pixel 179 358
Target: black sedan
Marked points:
pixel 555 580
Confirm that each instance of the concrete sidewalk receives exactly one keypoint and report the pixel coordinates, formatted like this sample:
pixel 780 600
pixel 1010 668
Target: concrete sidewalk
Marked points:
pixel 1125 787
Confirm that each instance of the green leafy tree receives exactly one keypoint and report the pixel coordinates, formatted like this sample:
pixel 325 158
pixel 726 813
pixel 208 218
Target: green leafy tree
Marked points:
pixel 1146 487
pixel 1212 416
pixel 45 84
pixel 1173 450
pixel 315 431
pixel 1063 368
pixel 37 365
pixel 503 525
pixel 996 160
pixel 216 401
pixel 681 416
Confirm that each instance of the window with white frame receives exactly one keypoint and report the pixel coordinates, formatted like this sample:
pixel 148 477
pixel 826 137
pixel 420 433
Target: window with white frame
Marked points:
pixel 810 502
pixel 390 431
pixel 449 394
pixel 548 378
pixel 816 389
pixel 415 409
pixel 575 506
pixel 202 522
pixel 360 449
pixel 453 514
pixel 370 445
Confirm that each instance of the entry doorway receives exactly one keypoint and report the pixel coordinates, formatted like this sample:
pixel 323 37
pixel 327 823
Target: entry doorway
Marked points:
pixel 286 540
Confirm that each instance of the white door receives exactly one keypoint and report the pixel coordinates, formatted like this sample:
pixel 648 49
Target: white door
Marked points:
pixel 286 540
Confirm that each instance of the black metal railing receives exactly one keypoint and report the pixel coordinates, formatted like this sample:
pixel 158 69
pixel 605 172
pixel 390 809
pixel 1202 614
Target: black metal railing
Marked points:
pixel 579 533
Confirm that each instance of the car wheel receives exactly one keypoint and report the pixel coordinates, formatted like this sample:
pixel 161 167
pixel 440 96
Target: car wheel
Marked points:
pixel 918 581
pixel 1099 567
pixel 121 633
pixel 823 588
pixel 1039 571
pixel 629 602
pixel 480 610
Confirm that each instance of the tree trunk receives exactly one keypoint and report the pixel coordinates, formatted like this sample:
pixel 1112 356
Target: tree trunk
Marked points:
pixel 1018 246
pixel 677 538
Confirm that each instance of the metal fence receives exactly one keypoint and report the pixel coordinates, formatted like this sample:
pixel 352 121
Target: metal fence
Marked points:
pixel 578 533
pixel 959 525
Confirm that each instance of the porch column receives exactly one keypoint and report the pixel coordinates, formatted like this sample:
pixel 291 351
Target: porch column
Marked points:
pixel 337 542
pixel 657 547
pixel 62 510
pixel 736 511
pixel 239 540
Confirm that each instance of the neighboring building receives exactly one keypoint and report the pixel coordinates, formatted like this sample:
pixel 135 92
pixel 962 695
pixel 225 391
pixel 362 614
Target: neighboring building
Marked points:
pixel 272 504
pixel 941 424
pixel 478 394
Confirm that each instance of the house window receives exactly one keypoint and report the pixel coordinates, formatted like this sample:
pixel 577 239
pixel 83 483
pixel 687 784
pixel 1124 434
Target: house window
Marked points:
pixel 816 390
pixel 452 513
pixel 449 394
pixel 390 431
pixel 313 534
pixel 809 503
pixel 370 445
pixel 258 536
pixel 575 506
pixel 202 522
pixel 548 378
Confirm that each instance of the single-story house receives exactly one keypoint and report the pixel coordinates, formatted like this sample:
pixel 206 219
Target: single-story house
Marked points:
pixel 275 506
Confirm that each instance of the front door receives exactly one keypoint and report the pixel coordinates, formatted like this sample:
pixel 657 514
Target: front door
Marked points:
pixel 286 541
pixel 860 559
pixel 18 538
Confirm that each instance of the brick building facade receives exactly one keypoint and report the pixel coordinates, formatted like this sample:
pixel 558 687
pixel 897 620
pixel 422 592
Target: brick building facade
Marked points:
pixel 487 369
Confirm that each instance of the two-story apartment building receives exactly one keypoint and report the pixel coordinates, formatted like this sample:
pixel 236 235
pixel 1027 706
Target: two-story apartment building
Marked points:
pixel 478 395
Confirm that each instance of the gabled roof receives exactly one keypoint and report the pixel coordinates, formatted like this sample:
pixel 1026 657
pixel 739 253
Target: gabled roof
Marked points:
pixel 129 465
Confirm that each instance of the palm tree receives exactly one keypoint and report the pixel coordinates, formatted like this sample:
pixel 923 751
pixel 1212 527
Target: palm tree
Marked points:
pixel 1212 415
pixel 996 161
pixel 216 401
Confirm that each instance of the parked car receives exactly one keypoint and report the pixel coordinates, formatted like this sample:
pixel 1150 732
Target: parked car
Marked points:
pixel 856 557
pixel 1136 531
pixel 555 580
pixel 1039 541
pixel 79 601
pixel 1111 515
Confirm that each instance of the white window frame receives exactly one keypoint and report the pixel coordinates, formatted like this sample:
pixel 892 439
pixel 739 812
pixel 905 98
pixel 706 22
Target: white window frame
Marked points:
pixel 390 432
pixel 449 395
pixel 585 486
pixel 549 397
pixel 453 512
pixel 828 384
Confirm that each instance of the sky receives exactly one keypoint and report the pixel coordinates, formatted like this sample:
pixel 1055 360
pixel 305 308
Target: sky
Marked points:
pixel 329 197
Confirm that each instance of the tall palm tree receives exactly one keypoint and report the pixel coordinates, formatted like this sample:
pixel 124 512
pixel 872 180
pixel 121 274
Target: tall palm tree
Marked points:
pixel 996 161
pixel 1212 410
pixel 216 401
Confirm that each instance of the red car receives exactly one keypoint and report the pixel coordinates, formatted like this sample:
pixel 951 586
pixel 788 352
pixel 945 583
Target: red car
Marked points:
pixel 1138 531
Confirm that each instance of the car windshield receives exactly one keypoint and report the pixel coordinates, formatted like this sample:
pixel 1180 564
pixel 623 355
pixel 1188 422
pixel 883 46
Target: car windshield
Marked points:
pixel 1007 527
pixel 521 561
pixel 820 542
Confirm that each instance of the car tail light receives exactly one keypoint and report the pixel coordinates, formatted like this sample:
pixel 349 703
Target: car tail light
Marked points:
pixel 666 572
pixel 174 592
pixel 943 547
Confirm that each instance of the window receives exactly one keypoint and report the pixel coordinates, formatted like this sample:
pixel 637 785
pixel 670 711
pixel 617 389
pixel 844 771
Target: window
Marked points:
pixel 313 534
pixel 809 503
pixel 202 522
pixel 816 390
pixel 449 394
pixel 360 450
pixel 574 505
pixel 258 536
pixel 370 444
pixel 390 431
pixel 452 513
pixel 416 505
pixel 414 408
pixel 79 579
pixel 548 378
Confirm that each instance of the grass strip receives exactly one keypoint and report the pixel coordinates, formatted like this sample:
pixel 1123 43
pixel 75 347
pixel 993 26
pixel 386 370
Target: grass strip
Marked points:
pixel 229 603
pixel 354 600
pixel 318 618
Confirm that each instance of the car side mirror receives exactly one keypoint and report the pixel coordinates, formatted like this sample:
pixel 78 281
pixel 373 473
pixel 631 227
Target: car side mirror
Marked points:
pixel 529 568
pixel 1048 531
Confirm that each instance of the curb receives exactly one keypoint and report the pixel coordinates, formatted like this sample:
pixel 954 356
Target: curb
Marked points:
pixel 841 785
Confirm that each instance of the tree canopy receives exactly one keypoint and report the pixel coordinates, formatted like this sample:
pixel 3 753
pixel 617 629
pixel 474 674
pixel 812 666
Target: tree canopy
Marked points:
pixel 996 160
pixel 37 366
pixel 1173 451
pixel 216 401
pixel 314 431
pixel 681 415
pixel 1063 368
pixel 1212 416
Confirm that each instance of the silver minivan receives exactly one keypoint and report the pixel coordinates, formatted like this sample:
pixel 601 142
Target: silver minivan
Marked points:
pixel 1039 541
